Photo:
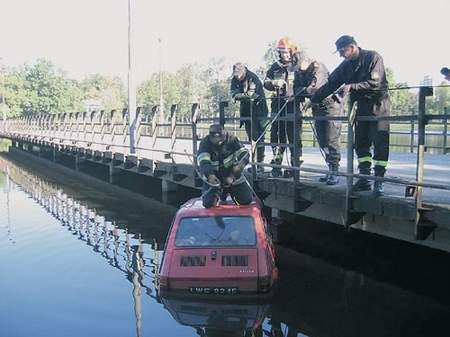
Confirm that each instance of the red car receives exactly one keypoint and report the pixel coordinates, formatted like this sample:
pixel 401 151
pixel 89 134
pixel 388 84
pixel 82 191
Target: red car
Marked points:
pixel 219 250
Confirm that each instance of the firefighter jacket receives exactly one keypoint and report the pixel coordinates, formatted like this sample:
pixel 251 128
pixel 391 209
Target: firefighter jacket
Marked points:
pixel 249 90
pixel 220 159
pixel 278 71
pixel 315 77
pixel 365 75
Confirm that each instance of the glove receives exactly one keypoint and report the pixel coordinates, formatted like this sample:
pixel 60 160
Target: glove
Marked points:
pixel 213 180
pixel 311 89
pixel 238 169
pixel 227 182
pixel 307 105
pixel 240 97
pixel 278 83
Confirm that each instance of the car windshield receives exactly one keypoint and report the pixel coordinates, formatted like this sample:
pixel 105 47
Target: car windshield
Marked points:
pixel 216 231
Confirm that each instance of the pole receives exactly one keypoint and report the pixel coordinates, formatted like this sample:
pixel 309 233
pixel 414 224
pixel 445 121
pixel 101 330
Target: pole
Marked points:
pixel 131 91
pixel 161 100
pixel 3 96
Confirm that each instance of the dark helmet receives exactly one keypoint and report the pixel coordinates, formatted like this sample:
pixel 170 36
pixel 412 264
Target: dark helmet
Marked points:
pixel 216 134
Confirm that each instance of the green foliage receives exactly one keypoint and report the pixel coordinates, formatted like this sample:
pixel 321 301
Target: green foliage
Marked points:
pixel 403 101
pixel 103 93
pixel 40 89
pixel 190 84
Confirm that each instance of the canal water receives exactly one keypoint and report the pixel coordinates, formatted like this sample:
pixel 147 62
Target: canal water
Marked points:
pixel 79 258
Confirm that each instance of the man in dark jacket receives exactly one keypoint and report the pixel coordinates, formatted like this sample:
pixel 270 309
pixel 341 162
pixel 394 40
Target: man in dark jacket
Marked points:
pixel 280 80
pixel 222 159
pixel 310 76
pixel 364 77
pixel 247 88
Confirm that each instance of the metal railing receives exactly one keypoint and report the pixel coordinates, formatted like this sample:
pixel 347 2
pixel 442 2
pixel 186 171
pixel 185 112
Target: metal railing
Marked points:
pixel 111 131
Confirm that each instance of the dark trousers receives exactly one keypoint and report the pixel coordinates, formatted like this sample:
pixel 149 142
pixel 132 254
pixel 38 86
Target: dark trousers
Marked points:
pixel 254 131
pixel 283 131
pixel 241 194
pixel 376 133
pixel 328 133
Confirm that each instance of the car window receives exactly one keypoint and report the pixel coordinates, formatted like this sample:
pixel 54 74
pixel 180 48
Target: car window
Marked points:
pixel 216 231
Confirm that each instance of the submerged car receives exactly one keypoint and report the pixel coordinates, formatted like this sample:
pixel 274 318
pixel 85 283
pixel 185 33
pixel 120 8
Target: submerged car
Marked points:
pixel 220 250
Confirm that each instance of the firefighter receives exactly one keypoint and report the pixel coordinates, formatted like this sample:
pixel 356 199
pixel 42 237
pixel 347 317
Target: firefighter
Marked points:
pixel 279 79
pixel 222 158
pixel 364 76
pixel 247 88
pixel 310 76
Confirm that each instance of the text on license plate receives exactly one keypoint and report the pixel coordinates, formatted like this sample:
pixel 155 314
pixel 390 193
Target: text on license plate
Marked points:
pixel 214 290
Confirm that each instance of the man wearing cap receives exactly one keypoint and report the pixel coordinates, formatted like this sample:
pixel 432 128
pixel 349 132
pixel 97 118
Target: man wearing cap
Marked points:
pixel 364 77
pixel 247 88
pixel 222 158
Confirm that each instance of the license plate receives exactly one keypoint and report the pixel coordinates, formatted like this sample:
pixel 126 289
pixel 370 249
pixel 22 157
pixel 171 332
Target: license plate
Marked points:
pixel 214 290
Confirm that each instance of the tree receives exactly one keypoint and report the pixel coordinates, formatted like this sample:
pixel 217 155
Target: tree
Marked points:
pixel 49 91
pixel 104 93
pixel 402 99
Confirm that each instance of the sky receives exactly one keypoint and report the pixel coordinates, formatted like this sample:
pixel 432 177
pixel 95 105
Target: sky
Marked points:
pixel 84 37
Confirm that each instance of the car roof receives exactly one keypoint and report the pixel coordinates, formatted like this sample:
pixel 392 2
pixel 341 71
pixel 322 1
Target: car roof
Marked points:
pixel 194 207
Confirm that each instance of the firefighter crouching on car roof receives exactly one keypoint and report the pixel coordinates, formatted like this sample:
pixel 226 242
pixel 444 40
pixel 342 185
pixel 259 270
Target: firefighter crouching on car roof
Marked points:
pixel 222 158
pixel 364 76
pixel 310 76
pixel 280 79
pixel 247 88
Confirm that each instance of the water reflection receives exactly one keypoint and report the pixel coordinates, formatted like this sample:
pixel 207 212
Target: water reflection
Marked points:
pixel 218 318
pixel 312 297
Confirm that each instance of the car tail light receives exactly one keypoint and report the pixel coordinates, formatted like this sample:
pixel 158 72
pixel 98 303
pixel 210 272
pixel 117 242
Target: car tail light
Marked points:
pixel 164 281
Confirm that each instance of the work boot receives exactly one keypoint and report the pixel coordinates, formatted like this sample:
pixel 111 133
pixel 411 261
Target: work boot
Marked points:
pixel 378 188
pixel 288 173
pixel 276 171
pixel 333 178
pixel 361 185
pixel 324 178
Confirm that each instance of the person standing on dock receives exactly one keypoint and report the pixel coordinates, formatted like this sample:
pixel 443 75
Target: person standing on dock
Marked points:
pixel 310 76
pixel 222 158
pixel 280 80
pixel 247 88
pixel 364 77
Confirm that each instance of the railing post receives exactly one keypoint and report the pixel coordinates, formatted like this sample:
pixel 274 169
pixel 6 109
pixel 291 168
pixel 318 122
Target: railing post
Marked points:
pixel 102 125
pixel 421 121
pixel 296 154
pixel 350 156
pixel 112 128
pixel 444 142
pixel 194 113
pixel 222 106
pixel 253 145
pixel 411 137
pixel 154 133
pixel 173 128
pixel 137 128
